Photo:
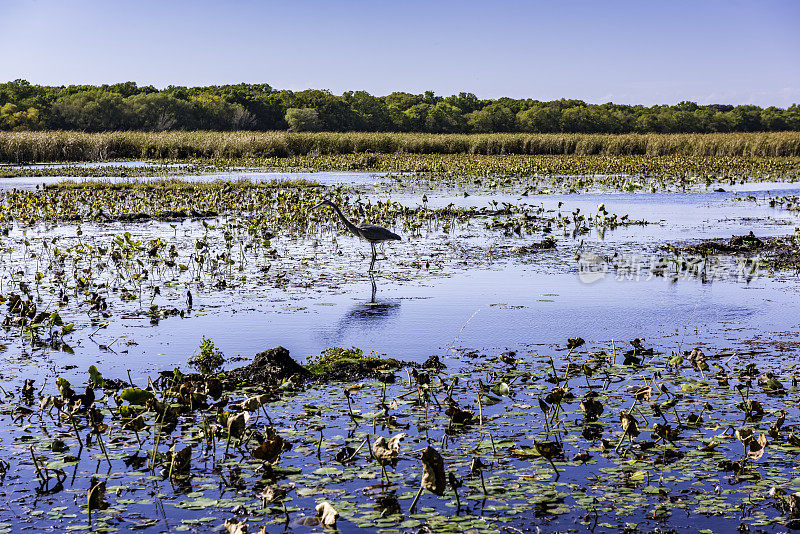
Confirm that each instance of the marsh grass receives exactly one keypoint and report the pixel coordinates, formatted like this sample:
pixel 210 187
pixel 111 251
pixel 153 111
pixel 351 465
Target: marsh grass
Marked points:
pixel 48 146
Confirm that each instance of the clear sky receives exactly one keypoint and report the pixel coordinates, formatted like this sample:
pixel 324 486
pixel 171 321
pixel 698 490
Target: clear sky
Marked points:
pixel 635 52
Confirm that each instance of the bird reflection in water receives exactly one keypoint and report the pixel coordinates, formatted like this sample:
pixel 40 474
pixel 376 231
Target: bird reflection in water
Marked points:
pixel 365 315
pixel 374 308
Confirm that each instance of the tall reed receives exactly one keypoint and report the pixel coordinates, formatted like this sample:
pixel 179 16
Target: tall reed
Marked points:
pixel 30 147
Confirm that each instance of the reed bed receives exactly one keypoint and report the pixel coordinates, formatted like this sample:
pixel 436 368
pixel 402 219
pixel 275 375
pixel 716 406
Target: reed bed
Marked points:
pixel 60 146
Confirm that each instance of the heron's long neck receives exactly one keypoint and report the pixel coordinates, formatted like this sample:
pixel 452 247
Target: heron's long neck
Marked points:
pixel 350 226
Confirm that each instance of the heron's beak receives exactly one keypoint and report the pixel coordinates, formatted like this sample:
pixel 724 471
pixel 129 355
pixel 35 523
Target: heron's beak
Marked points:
pixel 318 205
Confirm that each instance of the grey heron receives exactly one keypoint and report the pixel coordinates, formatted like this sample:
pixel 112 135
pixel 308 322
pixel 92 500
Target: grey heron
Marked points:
pixel 370 232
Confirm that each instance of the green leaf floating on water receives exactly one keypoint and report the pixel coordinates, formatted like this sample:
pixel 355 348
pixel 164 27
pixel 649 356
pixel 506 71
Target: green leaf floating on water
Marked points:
pixel 490 400
pixel 501 389
pixel 327 471
pixel 96 377
pixel 200 503
pixel 136 395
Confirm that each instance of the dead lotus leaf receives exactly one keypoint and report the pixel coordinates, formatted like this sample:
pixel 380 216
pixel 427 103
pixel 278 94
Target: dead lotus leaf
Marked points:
pixel 643 394
pixel 582 457
pixel 272 494
pixel 793 505
pixel 136 424
pixel 327 514
pixel 270 449
pixel 251 404
pixel 180 462
pixel 592 407
pixel 548 449
pixel 775 429
pixel 96 499
pixel 433 477
pixel 557 395
pixel 236 425
pixel 770 383
pixel 710 446
pixel 459 416
pixel 696 356
pixel 386 451
pixel 781 419
pixel 234 526
pixel 629 425
pixel 744 435
pixel 666 432
pixel 757 447
pixel 752 408
pixel 544 407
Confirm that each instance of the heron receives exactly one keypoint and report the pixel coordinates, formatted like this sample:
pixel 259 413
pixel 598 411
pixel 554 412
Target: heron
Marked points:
pixel 370 232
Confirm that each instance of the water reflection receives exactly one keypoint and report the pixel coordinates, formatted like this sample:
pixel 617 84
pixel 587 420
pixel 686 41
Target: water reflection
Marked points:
pixel 364 315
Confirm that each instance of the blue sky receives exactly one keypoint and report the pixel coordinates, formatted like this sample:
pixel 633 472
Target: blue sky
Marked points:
pixel 636 52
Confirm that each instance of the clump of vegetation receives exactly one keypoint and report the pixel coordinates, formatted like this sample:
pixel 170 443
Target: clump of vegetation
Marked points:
pixel 338 363
pixel 209 358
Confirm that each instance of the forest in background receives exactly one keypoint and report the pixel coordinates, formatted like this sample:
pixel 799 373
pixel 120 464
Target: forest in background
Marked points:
pixel 128 106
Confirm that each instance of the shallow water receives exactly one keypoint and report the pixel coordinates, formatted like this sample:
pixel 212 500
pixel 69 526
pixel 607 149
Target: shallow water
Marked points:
pixel 531 300
pixel 517 308
pixel 27 183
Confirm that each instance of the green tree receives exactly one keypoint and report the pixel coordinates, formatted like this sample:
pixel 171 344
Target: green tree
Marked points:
pixel 303 120
pixel 372 114
pixel 466 102
pixel 416 117
pixel 160 111
pixel 444 118
pixel 402 101
pixel 91 111
pixel 538 119
pixel 492 118
pixel 213 112
pixel 12 118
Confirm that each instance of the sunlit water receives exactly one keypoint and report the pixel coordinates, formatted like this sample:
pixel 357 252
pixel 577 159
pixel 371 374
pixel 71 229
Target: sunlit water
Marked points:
pixel 531 303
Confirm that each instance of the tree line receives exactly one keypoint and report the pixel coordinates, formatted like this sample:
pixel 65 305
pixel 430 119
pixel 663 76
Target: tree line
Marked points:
pixel 128 106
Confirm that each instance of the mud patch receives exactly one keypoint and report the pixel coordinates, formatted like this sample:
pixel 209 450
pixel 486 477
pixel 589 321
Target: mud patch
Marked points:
pixel 275 366
pixel 781 253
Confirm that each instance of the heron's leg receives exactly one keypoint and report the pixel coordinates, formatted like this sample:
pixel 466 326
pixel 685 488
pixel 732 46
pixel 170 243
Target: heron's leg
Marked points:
pixel 374 256
pixel 374 286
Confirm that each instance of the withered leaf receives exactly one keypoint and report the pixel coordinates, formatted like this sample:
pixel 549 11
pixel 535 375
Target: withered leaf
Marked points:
pixel 180 462
pixel 433 476
pixel 327 514
pixel 386 451
pixel 237 424
pixel 592 408
pixel 271 447
pixel 629 425
pixel 96 498
pixel 757 447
